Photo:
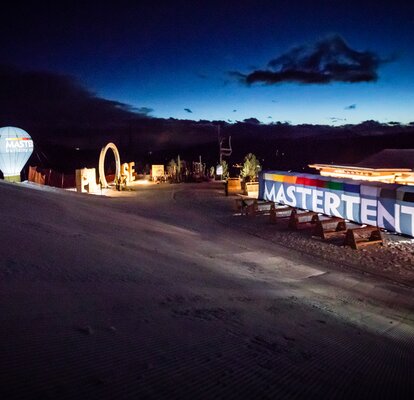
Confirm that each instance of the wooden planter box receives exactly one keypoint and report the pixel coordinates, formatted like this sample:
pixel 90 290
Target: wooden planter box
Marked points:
pixel 233 186
pixel 251 189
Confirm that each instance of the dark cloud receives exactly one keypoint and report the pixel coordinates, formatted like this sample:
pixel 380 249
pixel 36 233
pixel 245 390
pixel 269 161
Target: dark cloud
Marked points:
pixel 253 121
pixel 328 60
pixel 336 119
pixel 144 110
pixel 188 110
pixel 350 107
pixel 46 98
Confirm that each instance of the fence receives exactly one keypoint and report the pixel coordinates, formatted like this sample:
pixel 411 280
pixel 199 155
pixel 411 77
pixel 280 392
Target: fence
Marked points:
pixel 49 177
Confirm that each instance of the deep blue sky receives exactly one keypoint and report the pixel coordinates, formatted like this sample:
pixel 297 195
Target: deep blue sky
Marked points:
pixel 197 55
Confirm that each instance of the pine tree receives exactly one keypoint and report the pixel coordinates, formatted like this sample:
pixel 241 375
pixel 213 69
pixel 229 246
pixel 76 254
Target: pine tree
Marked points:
pixel 251 168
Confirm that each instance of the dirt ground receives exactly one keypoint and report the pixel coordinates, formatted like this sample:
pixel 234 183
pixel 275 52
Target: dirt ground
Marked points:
pixel 163 292
pixel 393 261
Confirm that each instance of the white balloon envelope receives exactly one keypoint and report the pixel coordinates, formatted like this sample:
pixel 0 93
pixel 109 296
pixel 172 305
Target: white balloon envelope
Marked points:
pixel 16 146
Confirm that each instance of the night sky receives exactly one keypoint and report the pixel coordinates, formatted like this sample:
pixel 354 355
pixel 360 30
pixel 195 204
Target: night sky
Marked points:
pixel 325 62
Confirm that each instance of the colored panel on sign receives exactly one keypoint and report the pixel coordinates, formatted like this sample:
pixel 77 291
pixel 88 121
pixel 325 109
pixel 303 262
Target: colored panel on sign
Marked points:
pixel 388 193
pixel 369 190
pixel 320 184
pixel 335 185
pixel 408 197
pixel 289 179
pixel 274 177
pixel 351 188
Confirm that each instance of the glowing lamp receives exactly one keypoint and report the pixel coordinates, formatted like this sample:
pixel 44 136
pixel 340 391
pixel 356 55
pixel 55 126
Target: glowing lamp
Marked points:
pixel 16 146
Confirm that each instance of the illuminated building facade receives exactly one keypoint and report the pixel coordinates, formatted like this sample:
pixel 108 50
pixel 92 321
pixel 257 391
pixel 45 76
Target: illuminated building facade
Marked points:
pixel 388 166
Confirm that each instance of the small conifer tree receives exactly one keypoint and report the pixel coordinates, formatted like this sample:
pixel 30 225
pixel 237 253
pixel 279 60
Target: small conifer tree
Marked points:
pixel 172 169
pixel 251 168
pixel 225 167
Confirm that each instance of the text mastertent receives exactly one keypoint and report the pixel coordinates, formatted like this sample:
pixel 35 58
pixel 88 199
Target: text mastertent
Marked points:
pixel 385 205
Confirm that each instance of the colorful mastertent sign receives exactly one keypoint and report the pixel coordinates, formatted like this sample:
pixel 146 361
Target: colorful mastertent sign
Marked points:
pixel 387 206
pixel 16 146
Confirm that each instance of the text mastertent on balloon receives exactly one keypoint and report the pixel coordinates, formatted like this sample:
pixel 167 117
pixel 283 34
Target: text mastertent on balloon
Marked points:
pixel 19 145
pixel 384 205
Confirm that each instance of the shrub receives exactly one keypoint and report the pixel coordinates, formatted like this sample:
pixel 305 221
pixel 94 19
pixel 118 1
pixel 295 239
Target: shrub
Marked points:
pixel 251 168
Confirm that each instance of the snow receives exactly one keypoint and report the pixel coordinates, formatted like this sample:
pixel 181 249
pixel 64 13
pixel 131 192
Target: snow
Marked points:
pixel 160 292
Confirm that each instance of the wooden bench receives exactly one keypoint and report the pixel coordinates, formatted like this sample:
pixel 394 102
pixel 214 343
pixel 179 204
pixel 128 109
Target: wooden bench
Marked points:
pixel 280 212
pixel 233 186
pixel 364 236
pixel 260 207
pixel 242 202
pixel 302 219
pixel 329 228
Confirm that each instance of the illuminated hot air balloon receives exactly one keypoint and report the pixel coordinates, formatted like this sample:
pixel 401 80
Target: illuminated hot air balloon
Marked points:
pixel 16 146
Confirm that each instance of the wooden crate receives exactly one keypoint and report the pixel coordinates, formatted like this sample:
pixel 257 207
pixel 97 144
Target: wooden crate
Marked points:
pixel 260 207
pixel 302 220
pixel 330 228
pixel 280 213
pixel 364 236
pixel 242 202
